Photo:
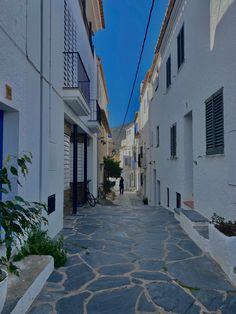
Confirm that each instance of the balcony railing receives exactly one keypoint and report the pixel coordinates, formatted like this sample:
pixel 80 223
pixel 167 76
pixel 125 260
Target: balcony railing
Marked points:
pixel 75 75
pixel 95 111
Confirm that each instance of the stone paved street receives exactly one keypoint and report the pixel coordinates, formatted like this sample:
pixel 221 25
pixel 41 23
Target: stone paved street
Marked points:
pixel 130 259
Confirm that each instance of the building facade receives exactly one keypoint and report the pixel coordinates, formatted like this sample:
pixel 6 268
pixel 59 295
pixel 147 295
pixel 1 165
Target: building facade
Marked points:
pixel 48 93
pixel 192 109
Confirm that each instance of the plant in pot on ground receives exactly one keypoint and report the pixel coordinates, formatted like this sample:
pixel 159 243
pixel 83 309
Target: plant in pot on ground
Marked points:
pixel 17 216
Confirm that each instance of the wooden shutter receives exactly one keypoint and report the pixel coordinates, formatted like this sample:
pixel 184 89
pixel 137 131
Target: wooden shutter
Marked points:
pixel 215 124
pixel 66 161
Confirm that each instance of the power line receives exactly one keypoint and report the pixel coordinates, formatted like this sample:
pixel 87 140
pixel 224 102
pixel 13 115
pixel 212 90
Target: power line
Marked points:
pixel 138 66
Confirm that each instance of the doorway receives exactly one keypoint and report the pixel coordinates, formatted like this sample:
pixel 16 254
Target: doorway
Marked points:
pixel 188 153
pixel 154 187
pixel 158 192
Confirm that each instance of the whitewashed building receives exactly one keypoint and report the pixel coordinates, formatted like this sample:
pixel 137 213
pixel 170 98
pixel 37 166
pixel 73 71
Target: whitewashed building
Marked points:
pixel 48 95
pixel 129 156
pixel 192 113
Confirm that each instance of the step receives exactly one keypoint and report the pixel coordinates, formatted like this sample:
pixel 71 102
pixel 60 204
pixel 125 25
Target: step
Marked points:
pixel 22 290
pixel 203 231
pixel 194 216
pixel 189 204
pixel 177 210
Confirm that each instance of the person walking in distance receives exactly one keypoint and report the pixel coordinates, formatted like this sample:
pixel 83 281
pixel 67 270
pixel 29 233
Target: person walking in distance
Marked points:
pixel 121 185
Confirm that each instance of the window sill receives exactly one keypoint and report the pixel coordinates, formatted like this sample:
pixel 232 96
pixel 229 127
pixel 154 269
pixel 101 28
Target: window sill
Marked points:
pixel 173 158
pixel 214 155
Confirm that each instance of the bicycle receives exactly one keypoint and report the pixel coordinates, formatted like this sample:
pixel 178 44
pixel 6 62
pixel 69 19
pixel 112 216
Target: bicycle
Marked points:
pixel 90 199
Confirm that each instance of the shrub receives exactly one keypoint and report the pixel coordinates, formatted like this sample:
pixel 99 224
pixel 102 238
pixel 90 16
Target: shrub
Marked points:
pixel 107 186
pixel 17 216
pixel 226 227
pixel 39 243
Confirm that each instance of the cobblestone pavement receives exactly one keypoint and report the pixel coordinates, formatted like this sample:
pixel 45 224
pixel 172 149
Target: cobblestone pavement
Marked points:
pixel 133 259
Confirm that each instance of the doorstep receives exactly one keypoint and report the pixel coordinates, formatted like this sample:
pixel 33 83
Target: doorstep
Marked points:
pixel 195 225
pixel 22 290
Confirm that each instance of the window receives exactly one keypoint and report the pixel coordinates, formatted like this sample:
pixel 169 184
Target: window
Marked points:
pixel 152 138
pixel 178 200
pixel 215 124
pixel 141 151
pixel 168 72
pixel 157 136
pixel 168 197
pixel 180 47
pixel 173 141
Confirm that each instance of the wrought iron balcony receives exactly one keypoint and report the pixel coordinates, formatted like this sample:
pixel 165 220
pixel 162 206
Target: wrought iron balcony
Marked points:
pixel 76 83
pixel 94 122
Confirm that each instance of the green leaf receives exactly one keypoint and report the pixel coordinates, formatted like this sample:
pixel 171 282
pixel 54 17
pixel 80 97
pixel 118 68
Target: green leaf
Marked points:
pixel 19 199
pixel 14 171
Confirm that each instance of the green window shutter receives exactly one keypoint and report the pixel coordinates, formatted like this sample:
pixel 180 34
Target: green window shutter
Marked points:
pixel 215 124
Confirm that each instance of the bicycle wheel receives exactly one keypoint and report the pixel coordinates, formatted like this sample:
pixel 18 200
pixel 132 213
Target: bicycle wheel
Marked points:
pixel 91 199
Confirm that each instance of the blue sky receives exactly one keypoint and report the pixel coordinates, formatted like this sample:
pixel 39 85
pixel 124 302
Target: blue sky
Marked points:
pixel 119 47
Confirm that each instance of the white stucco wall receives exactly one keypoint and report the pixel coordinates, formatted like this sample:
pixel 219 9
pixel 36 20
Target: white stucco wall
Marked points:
pixel 209 65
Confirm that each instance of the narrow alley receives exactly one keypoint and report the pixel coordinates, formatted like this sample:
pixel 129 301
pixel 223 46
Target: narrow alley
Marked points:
pixel 131 258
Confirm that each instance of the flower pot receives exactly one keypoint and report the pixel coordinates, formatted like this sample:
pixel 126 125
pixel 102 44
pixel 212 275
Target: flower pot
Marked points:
pixel 223 249
pixel 3 290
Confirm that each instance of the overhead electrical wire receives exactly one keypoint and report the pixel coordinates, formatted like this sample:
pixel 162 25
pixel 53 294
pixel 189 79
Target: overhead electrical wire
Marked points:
pixel 137 69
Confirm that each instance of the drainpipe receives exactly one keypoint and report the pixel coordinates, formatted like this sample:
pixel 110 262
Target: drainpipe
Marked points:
pixel 41 106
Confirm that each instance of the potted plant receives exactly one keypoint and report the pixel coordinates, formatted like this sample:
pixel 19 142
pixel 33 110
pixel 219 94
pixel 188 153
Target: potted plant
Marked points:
pixel 17 218
pixel 222 244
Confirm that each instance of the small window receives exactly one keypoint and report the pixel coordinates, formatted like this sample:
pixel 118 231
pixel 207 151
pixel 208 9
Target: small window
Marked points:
pixel 156 83
pixel 180 47
pixel 152 138
pixel 173 141
pixel 168 197
pixel 215 124
pixel 157 136
pixel 168 72
pixel 141 151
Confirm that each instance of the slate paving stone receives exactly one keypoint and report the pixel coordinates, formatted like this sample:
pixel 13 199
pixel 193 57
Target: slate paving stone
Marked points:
pixel 51 296
pixel 99 259
pixel 72 304
pixel 200 272
pixel 149 275
pixel 145 306
pixel 41 309
pixel 87 229
pixel 190 246
pixel 151 265
pixel 175 253
pixel 55 277
pixel 118 269
pixel 73 260
pixel 211 299
pixel 115 302
pixel 108 283
pixel 170 297
pixel 77 276
pixel 229 306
